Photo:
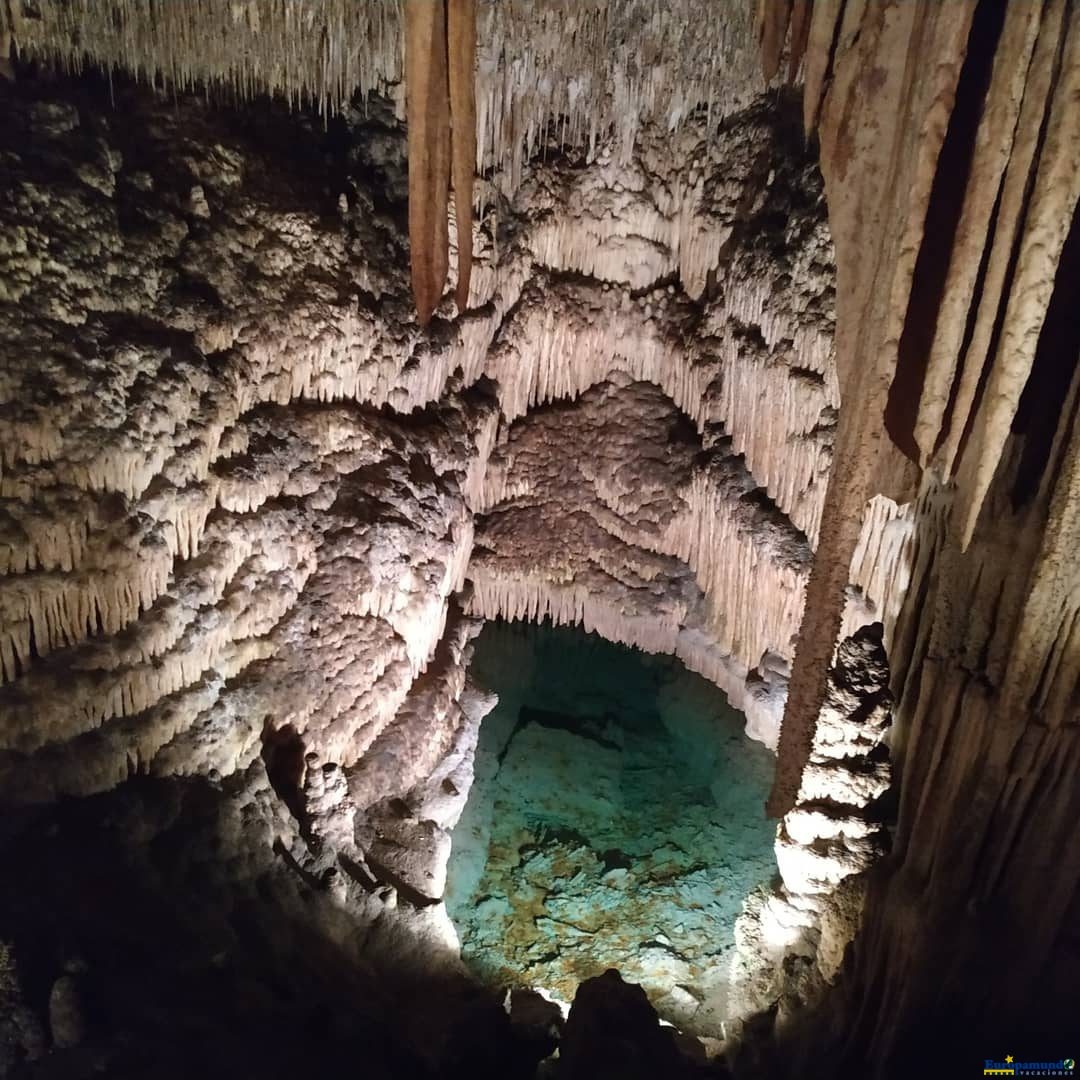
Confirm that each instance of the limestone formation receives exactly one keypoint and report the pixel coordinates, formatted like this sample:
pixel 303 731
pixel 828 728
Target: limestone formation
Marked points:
pixel 949 134
pixel 812 433
pixel 825 845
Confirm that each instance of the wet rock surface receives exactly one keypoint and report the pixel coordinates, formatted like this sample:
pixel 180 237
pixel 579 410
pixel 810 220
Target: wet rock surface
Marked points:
pixel 616 821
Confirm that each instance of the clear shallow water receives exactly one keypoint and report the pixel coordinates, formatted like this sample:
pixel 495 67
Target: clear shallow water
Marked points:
pixel 617 820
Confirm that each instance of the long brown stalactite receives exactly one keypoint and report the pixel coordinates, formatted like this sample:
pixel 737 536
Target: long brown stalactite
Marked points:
pixel 429 151
pixel 871 321
pixel 440 60
pixel 873 282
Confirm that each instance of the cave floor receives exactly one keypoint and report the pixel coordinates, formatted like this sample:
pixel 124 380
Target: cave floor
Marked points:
pixel 616 820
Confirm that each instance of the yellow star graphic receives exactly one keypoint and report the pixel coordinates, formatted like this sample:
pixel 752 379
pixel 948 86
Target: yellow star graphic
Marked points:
pixel 1008 1059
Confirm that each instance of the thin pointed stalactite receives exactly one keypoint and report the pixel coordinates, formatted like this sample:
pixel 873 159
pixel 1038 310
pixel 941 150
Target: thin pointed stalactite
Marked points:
pixel 427 104
pixel 461 52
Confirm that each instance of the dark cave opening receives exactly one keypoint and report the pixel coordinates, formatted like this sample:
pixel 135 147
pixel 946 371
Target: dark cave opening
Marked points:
pixel 616 821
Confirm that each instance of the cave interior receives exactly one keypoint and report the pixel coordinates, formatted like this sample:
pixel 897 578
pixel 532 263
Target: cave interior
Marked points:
pixel 539 540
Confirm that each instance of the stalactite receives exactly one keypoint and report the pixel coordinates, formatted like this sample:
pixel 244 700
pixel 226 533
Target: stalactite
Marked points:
pixel 461 44
pixel 824 26
pixel 802 13
pixel 762 403
pixel 558 516
pixel 1053 202
pixel 201 454
pixel 429 151
pixel 440 62
pixel 148 553
pixel 559 63
pixel 1036 91
pixel 213 529
pixel 772 19
pixel 993 147
pixel 977 594
pixel 867 313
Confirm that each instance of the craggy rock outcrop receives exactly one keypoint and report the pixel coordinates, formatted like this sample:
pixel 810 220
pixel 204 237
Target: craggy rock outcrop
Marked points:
pixel 613 1031
pixel 410 833
pixel 790 942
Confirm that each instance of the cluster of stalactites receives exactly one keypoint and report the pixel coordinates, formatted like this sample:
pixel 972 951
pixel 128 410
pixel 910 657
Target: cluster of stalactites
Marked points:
pixel 578 71
pixel 489 84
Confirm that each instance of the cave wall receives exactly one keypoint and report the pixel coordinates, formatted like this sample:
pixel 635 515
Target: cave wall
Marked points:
pixel 950 134
pixel 206 515
pixel 227 595
pixel 189 558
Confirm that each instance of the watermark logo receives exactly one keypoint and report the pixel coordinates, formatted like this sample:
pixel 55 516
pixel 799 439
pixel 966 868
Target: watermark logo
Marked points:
pixel 1012 1067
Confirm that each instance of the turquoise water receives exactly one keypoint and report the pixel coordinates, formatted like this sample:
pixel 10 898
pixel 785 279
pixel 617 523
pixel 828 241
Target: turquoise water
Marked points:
pixel 616 820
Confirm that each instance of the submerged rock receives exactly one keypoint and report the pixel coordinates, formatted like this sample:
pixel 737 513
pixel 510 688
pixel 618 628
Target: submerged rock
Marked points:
pixel 615 822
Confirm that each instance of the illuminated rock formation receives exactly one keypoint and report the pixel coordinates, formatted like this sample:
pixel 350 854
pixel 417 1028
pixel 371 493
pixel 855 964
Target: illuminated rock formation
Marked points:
pixel 187 507
pixel 253 512
pixel 607 513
